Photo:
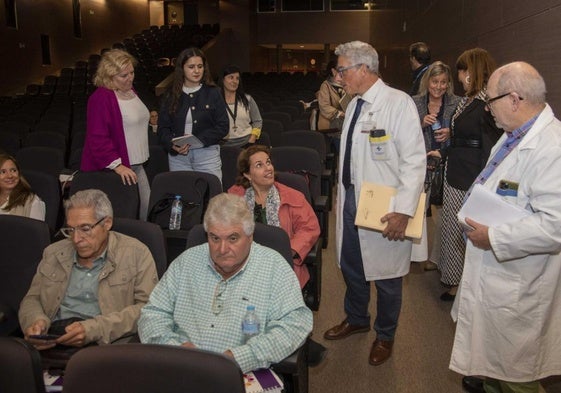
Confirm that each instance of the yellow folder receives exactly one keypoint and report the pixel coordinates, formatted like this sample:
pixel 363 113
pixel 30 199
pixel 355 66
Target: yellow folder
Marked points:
pixel 377 200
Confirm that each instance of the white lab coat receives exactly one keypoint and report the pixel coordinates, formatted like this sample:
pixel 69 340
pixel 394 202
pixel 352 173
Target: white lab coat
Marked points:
pixel 508 307
pixel 405 166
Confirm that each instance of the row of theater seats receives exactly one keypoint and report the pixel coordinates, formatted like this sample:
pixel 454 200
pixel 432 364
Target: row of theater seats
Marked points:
pixel 17 358
pixel 165 369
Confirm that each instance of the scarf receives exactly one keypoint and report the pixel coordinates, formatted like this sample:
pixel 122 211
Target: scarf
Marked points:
pixel 272 204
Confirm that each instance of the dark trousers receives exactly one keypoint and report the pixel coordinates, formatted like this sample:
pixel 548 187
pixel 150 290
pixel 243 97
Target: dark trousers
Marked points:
pixel 357 295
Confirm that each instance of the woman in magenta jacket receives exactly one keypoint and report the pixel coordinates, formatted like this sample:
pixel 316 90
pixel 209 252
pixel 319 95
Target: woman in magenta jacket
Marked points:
pixel 116 137
pixel 275 204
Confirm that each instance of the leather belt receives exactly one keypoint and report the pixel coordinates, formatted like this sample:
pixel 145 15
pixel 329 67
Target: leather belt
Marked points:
pixel 462 142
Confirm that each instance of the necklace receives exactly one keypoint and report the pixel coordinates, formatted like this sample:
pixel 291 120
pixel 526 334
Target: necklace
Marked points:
pixel 125 95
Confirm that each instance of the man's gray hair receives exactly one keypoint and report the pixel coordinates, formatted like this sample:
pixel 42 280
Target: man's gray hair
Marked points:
pixel 229 209
pixel 522 78
pixel 359 52
pixel 91 198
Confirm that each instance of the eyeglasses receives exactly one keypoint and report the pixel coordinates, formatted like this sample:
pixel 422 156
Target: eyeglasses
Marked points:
pixel 218 300
pixel 85 229
pixel 341 70
pixel 488 101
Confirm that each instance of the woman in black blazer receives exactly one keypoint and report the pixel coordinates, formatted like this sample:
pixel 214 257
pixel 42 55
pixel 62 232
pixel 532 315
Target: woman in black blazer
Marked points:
pixel 473 134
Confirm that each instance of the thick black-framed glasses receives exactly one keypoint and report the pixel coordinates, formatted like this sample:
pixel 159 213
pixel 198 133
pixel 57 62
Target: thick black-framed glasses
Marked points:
pixel 85 229
pixel 341 70
pixel 488 101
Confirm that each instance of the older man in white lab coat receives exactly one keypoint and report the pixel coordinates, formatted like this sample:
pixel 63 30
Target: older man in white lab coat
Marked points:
pixel 381 143
pixel 508 307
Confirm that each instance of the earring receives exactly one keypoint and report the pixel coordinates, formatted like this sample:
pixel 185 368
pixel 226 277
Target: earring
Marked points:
pixel 467 79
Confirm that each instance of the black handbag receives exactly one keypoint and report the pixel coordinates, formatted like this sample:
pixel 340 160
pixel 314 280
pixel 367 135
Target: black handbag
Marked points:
pixel 435 166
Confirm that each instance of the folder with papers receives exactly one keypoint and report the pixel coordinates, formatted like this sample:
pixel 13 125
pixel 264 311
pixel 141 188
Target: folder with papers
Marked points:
pixel 377 200
pixel 488 208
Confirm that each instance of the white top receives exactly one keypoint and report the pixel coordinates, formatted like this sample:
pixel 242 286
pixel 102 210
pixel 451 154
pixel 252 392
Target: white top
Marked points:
pixel 135 117
pixel 37 208
pixel 189 116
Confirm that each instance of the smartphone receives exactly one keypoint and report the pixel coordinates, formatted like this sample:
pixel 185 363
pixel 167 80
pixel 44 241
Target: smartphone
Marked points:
pixel 46 337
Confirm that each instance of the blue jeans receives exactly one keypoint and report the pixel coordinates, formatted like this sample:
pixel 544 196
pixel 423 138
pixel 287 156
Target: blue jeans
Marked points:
pixel 205 159
pixel 357 295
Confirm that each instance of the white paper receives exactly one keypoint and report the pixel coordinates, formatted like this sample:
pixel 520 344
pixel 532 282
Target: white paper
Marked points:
pixel 488 208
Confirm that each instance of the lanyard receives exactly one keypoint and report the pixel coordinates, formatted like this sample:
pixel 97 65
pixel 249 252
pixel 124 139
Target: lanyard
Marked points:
pixel 233 114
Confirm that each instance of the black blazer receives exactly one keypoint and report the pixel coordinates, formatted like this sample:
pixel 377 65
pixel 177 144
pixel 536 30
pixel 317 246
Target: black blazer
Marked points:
pixel 210 119
pixel 465 163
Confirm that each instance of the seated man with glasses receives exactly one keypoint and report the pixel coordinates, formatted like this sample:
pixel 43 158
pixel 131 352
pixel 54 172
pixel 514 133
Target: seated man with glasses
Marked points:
pixel 202 299
pixel 90 287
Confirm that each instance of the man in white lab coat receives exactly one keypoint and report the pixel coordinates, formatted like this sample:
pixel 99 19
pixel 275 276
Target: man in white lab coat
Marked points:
pixel 508 307
pixel 381 143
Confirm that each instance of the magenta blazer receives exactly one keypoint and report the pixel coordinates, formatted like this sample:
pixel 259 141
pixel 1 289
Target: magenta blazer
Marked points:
pixel 105 135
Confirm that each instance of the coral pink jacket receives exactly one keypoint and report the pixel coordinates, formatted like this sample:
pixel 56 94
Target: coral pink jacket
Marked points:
pixel 298 219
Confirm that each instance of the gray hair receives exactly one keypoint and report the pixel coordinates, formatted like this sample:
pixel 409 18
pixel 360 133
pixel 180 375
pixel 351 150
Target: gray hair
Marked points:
pixel 359 52
pixel 522 78
pixel 435 69
pixel 91 198
pixel 229 209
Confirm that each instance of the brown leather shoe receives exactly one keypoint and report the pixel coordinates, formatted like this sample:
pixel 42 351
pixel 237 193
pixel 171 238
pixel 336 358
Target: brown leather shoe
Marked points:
pixel 344 329
pixel 380 352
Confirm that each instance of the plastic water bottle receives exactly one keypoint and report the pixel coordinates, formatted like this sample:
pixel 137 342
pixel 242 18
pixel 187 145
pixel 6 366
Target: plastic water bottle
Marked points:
pixel 436 125
pixel 250 323
pixel 175 216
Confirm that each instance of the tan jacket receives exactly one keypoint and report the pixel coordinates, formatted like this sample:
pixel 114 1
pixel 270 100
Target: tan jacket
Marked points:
pixel 125 283
pixel 330 104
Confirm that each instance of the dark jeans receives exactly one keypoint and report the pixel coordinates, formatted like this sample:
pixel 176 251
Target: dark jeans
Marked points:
pixel 357 295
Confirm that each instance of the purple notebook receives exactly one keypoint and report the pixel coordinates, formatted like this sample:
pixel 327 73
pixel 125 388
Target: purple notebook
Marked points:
pixel 263 380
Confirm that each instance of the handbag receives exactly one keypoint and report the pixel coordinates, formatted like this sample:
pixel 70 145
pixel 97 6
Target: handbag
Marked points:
pixel 193 207
pixel 435 167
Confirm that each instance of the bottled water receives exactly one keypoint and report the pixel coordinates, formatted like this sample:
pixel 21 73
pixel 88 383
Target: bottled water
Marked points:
pixel 250 324
pixel 175 216
pixel 436 125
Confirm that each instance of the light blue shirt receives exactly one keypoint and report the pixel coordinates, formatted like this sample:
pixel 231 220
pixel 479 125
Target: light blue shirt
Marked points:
pixel 181 309
pixel 81 298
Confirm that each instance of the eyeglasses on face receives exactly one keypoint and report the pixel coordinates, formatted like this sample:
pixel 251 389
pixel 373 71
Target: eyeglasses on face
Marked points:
pixel 489 101
pixel 341 70
pixel 218 300
pixel 85 229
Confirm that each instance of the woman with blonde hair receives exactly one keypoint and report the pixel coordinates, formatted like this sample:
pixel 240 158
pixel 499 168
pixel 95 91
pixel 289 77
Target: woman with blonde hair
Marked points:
pixel 116 137
pixel 435 103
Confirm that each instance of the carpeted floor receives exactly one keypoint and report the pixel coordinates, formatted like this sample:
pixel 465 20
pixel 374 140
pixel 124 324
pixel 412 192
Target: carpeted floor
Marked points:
pixel 421 353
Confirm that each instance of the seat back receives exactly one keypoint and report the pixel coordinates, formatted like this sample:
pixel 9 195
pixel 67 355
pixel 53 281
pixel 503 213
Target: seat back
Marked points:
pixel 47 187
pixel 195 188
pixel 274 128
pixel 148 233
pixel 300 160
pixel 22 243
pixel 266 235
pixel 20 363
pixel 229 157
pixel 124 198
pixel 41 159
pixel 312 139
pixel 157 163
pixel 46 139
pixel 10 142
pixel 148 368
pixel 293 180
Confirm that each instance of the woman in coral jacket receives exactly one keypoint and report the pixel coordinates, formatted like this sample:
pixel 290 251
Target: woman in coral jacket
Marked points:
pixel 275 204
